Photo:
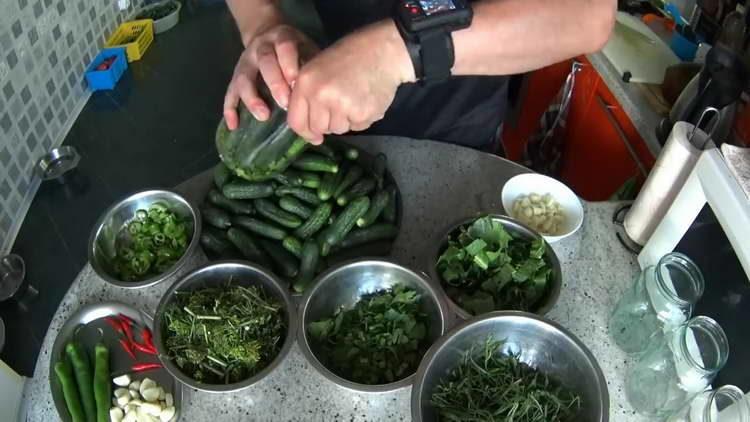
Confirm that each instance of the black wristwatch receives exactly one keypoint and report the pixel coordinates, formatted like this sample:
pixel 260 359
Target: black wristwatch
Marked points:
pixel 426 27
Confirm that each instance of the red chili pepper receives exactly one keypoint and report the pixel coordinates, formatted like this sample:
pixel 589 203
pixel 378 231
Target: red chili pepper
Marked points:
pixel 126 319
pixel 143 348
pixel 127 331
pixel 140 367
pixel 114 323
pixel 148 338
pixel 126 346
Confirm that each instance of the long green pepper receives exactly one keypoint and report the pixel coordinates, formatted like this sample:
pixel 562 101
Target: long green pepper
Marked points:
pixel 84 378
pixel 102 384
pixel 65 375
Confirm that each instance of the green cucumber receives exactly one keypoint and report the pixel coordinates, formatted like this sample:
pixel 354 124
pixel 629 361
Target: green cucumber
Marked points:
pixel 286 263
pixel 216 217
pixel 378 169
pixel 320 240
pixel 361 188
pixel 272 212
pixel 317 220
pixel 375 232
pixel 246 245
pixel 215 241
pixel 234 206
pixel 293 245
pixel 222 174
pixel 351 153
pixel 241 189
pixel 288 178
pixel 389 212
pixel 295 206
pixel 309 259
pixel 346 220
pixel 328 185
pixel 316 162
pixel 310 180
pixel 303 194
pixel 326 150
pixel 378 203
pixel 354 174
pixel 259 227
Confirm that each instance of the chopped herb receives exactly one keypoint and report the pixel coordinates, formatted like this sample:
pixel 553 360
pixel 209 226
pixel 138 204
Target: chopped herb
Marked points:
pixel 379 341
pixel 485 268
pixel 488 386
pixel 223 335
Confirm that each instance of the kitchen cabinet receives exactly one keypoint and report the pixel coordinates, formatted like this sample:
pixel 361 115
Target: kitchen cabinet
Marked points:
pixel 602 148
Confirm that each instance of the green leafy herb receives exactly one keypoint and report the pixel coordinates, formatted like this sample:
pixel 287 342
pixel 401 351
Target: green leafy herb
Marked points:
pixel 151 243
pixel 484 268
pixel 487 386
pixel 381 340
pixel 222 335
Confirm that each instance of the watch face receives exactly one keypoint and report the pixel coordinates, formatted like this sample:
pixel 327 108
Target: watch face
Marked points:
pixel 431 7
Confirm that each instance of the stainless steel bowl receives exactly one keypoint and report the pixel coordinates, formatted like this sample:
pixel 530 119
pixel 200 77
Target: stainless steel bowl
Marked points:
pixel 244 274
pixel 539 342
pixel 517 230
pixel 344 286
pixel 108 229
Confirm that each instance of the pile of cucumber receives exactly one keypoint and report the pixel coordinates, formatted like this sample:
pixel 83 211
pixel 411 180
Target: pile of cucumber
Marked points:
pixel 326 203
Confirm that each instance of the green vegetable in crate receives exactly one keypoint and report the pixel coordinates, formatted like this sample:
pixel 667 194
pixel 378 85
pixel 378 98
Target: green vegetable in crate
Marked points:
pixel 153 242
pixel 272 212
pixel 286 263
pixel 295 206
pixel 309 259
pixel 246 245
pixel 316 162
pixel 84 378
pixel 379 202
pixel 231 205
pixel 72 401
pixel 256 150
pixel 247 190
pixel 216 217
pixel 259 227
pixel 361 188
pixel 316 221
pixel 351 177
pixel 216 241
pixel 300 193
pixel 373 233
pixel 222 174
pixel 293 245
pixel 346 220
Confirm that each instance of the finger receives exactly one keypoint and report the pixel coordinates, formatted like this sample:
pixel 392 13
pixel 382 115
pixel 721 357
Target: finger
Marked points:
pixel 320 117
pixel 339 124
pixel 249 95
pixel 360 126
pixel 288 56
pixel 268 64
pixel 230 108
pixel 298 118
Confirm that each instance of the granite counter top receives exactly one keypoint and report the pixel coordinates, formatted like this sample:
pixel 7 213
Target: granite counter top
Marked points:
pixel 595 266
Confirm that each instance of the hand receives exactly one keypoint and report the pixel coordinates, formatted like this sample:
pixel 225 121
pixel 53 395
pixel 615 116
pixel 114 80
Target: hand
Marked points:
pixel 274 53
pixel 350 85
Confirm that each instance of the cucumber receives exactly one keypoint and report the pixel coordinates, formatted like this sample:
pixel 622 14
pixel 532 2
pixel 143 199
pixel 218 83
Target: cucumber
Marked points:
pixel 303 194
pixel 354 174
pixel 378 169
pixel 286 263
pixel 259 227
pixel 323 245
pixel 246 245
pixel 215 241
pixel 289 178
pixel 234 206
pixel 272 212
pixel 293 245
pixel 377 204
pixel 309 260
pixel 326 150
pixel 389 212
pixel 346 220
pixel 316 162
pixel 351 153
pixel 222 174
pixel 310 180
pixel 375 232
pixel 328 185
pixel 361 188
pixel 317 220
pixel 247 190
pixel 295 206
pixel 216 217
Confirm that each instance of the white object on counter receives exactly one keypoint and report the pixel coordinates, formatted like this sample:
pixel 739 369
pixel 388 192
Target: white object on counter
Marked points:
pixel 11 391
pixel 676 160
pixel 525 184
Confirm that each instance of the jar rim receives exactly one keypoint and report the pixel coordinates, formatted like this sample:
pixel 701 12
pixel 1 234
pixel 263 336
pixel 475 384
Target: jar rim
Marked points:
pixel 687 265
pixel 711 327
pixel 735 395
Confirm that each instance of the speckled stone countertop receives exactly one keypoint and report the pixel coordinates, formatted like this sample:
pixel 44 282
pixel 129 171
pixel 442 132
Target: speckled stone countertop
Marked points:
pixel 451 183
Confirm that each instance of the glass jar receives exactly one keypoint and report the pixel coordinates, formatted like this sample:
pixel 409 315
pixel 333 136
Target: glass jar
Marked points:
pixel 725 404
pixel 676 366
pixel 662 298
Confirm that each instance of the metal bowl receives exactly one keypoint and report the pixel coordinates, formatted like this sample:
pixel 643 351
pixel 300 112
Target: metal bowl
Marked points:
pixel 517 230
pixel 243 274
pixel 539 342
pixel 109 230
pixel 344 286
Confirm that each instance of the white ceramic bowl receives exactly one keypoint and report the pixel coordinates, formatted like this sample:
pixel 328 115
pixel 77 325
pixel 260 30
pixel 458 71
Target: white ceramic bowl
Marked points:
pixel 525 184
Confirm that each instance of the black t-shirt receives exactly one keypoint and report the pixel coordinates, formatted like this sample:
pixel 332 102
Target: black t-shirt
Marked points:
pixel 464 110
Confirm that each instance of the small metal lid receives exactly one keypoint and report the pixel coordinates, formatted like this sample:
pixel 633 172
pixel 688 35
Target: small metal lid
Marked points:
pixel 12 274
pixel 57 162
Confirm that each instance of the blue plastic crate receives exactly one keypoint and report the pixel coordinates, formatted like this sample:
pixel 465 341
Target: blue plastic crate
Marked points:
pixel 106 79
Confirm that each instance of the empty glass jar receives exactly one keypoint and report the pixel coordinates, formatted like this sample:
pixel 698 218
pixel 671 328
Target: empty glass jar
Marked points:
pixel 725 404
pixel 676 366
pixel 662 298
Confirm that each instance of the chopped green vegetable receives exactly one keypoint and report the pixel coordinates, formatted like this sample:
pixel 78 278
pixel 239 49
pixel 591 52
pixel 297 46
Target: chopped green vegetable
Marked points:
pixel 489 386
pixel 381 340
pixel 223 335
pixel 158 12
pixel 150 243
pixel 485 268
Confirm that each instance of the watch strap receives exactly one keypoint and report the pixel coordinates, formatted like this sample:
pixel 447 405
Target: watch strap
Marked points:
pixel 436 51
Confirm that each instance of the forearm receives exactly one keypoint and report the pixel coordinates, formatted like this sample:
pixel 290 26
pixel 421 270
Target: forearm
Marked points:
pixel 254 16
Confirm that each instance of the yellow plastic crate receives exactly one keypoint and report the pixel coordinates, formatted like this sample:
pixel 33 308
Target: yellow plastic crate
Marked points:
pixel 134 36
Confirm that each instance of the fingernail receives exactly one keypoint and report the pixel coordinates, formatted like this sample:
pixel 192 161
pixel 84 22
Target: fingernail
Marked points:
pixel 284 101
pixel 260 113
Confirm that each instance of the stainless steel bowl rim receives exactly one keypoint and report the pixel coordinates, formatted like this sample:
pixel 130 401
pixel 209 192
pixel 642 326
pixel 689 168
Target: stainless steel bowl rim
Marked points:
pixel 435 293
pixel 192 246
pixel 428 358
pixel 289 308
pixel 554 295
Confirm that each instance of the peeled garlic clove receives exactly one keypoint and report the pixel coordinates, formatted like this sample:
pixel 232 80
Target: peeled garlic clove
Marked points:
pixel 168 399
pixel 122 380
pixel 167 414
pixel 135 385
pixel 116 414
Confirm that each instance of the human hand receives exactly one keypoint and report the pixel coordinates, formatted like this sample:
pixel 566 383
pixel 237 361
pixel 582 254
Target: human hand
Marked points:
pixel 274 53
pixel 351 84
